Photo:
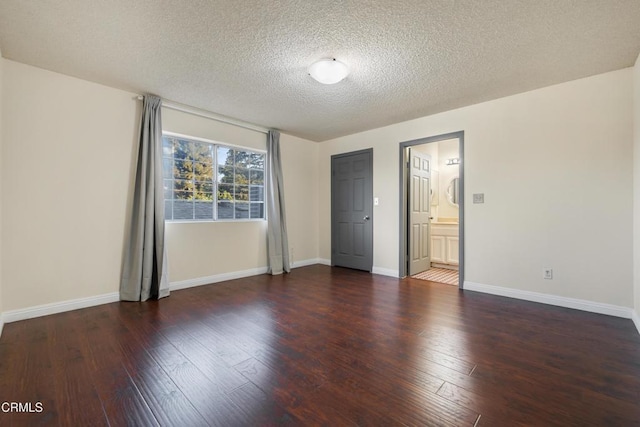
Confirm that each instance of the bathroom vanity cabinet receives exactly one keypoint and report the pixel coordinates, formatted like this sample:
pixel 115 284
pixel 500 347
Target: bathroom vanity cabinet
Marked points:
pixel 444 245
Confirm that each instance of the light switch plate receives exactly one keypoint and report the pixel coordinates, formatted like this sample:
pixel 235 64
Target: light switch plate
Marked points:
pixel 376 202
pixel 478 198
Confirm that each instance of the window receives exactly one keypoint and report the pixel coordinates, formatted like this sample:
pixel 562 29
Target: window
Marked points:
pixel 205 181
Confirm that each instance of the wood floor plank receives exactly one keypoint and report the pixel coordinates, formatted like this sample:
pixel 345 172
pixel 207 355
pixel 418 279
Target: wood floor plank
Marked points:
pixel 363 408
pixel 260 408
pixel 207 362
pixel 224 349
pixel 25 369
pixel 205 396
pixel 501 407
pixel 122 402
pixel 298 397
pixel 168 404
pixel 70 372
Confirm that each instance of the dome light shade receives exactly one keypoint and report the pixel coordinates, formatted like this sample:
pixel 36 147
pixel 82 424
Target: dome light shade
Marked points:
pixel 328 71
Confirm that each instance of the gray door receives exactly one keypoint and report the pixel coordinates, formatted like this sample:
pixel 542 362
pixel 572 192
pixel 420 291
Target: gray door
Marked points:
pixel 352 210
pixel 419 211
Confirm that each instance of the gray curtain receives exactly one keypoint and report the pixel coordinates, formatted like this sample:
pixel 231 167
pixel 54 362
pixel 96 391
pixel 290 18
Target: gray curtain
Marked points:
pixel 144 273
pixel 277 241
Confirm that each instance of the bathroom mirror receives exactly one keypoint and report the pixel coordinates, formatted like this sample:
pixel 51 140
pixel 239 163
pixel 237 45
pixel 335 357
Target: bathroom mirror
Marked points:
pixel 453 192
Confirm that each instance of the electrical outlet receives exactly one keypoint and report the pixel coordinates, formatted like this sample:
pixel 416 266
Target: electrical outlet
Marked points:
pixel 547 273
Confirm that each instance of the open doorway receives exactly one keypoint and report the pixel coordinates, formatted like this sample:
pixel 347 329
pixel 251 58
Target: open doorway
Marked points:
pixel 432 208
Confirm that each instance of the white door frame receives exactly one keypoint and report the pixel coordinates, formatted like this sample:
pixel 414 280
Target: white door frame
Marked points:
pixel 403 267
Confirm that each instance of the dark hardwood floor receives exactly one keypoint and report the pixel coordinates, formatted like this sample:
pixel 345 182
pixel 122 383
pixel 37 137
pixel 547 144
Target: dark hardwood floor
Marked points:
pixel 323 346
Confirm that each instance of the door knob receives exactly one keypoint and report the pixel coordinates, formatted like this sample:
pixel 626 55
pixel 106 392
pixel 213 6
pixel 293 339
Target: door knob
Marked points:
pixel 366 218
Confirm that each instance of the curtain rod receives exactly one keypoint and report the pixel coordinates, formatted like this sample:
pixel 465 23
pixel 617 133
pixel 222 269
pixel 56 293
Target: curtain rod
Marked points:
pixel 209 115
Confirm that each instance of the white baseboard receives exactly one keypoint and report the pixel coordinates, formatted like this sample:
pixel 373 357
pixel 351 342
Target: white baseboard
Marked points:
pixel 62 306
pixel 207 280
pixel 306 262
pixel 578 304
pixel 385 272
pixel 636 319
pixel 58 307
pixel 199 281
pixel 374 270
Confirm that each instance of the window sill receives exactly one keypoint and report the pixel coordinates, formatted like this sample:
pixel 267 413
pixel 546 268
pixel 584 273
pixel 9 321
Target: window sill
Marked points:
pixel 206 221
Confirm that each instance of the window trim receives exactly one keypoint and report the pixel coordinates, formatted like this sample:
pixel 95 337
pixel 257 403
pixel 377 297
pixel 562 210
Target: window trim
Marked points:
pixel 217 144
pixel 211 141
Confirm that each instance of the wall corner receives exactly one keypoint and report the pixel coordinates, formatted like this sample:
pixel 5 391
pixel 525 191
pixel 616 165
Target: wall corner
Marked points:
pixel 636 190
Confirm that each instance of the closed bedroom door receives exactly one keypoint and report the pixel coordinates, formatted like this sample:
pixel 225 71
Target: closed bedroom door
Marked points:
pixel 352 210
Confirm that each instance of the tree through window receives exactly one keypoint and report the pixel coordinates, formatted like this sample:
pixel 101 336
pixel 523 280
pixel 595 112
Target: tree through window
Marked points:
pixel 204 181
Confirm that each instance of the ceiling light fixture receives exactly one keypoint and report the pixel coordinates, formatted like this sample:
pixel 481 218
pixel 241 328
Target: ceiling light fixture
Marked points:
pixel 453 161
pixel 328 71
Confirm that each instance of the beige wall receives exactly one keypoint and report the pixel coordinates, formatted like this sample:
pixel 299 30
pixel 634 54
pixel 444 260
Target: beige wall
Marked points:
pixel 67 170
pixel 67 166
pixel 210 248
pixel 551 162
pixel 636 185
pixel 300 170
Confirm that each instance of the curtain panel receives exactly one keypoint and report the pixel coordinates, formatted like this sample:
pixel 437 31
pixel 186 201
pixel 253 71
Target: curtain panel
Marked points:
pixel 144 273
pixel 277 240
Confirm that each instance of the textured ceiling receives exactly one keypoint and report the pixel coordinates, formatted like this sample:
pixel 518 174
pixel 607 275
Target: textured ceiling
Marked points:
pixel 248 59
